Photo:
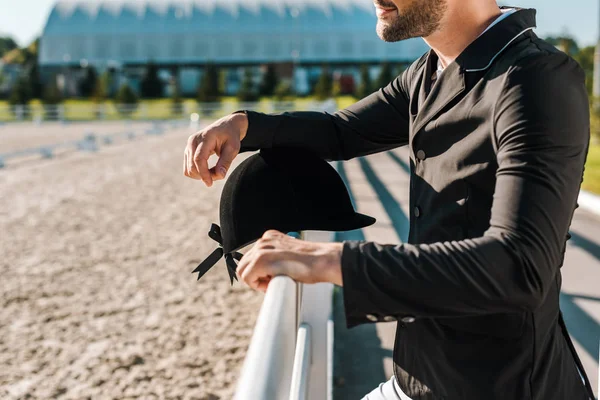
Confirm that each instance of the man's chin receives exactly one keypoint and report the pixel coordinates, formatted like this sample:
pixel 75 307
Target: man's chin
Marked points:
pixel 384 32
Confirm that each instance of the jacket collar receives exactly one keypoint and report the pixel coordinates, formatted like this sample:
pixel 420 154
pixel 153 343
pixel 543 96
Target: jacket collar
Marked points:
pixel 482 52
pixel 478 56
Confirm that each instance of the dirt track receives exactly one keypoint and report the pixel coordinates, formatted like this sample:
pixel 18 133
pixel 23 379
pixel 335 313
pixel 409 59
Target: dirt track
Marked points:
pixel 97 299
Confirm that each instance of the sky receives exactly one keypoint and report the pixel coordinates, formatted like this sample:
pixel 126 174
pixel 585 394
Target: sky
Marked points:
pixel 24 20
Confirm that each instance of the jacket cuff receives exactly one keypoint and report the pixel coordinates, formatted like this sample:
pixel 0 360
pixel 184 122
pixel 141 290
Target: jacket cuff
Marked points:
pixel 261 128
pixel 358 306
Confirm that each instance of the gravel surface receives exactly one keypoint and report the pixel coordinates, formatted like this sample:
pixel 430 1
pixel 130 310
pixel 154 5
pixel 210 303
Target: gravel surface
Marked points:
pixel 97 298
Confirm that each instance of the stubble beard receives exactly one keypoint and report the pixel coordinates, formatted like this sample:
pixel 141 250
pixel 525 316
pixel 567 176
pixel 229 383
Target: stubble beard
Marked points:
pixel 419 19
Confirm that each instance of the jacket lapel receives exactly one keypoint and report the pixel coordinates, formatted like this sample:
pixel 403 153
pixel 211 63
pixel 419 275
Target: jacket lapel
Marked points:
pixel 448 86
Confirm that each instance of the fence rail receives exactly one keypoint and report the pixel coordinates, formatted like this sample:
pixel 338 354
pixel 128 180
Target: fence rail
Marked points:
pixel 290 356
pixel 268 367
pixel 147 111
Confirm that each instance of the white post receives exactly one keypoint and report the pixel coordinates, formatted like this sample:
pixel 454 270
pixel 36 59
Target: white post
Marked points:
pixel 302 363
pixel 316 311
pixel 19 112
pixel 268 366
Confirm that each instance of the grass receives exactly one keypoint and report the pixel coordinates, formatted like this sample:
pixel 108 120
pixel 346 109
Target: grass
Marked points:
pixel 591 178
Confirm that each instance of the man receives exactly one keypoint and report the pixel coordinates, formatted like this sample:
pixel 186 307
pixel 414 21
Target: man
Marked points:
pixel 497 124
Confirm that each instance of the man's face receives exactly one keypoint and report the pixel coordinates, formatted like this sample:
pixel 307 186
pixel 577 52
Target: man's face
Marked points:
pixel 405 19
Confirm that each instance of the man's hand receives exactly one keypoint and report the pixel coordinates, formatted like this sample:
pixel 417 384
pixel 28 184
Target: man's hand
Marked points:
pixel 223 138
pixel 280 254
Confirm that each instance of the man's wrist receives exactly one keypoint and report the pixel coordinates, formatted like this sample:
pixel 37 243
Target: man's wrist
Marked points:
pixel 331 266
pixel 240 119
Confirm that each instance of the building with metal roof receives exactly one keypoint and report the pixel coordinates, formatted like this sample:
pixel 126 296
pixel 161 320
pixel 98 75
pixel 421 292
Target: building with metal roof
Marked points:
pixel 188 33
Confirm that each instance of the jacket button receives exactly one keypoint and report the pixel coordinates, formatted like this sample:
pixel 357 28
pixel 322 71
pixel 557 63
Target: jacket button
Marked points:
pixel 372 318
pixel 421 155
pixel 408 320
pixel 389 318
pixel 417 212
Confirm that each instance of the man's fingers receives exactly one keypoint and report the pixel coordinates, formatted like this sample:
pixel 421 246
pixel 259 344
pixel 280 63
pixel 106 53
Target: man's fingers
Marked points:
pixel 272 234
pixel 190 150
pixel 200 161
pixel 228 153
pixel 256 270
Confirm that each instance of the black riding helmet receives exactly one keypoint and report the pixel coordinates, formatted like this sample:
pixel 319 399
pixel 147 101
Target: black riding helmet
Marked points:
pixel 286 189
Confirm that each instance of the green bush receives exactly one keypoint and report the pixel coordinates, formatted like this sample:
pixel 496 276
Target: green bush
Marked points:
pixel 88 84
pixel 20 95
pixel 51 97
pixel 270 82
pixel 385 76
pixel 595 121
pixel 283 90
pixel 127 97
pixel 151 87
pixel 208 90
pixel 247 92
pixel 366 87
pixel 324 86
pixel 176 100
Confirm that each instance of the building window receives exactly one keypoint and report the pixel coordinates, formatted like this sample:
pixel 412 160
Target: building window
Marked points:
pixel 202 49
pixel 249 49
pixel 368 48
pixel 103 50
pixel 321 48
pixel 127 50
pixel 273 49
pixel 176 49
pixel 151 50
pixel 297 46
pixel 225 49
pixel 346 48
pixel 78 48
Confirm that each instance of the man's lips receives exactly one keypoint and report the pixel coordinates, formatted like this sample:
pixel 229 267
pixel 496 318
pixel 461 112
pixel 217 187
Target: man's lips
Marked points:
pixel 383 10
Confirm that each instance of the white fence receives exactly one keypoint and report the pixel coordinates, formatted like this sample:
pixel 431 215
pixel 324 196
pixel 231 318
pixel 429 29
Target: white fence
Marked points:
pixel 291 352
pixel 148 110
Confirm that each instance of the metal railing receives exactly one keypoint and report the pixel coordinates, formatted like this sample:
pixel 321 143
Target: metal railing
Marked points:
pixel 291 352
pixel 268 368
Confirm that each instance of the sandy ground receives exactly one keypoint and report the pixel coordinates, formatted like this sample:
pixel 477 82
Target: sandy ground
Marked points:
pixel 97 299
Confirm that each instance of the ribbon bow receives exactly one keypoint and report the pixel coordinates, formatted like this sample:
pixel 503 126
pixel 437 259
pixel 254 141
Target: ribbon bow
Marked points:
pixel 215 256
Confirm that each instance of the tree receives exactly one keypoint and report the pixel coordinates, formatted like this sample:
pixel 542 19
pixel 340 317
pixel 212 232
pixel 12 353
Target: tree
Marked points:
pixel 585 58
pixel 126 97
pixel 208 90
pixel 102 89
pixel 269 81
pixel 247 90
pixel 177 101
pixel 594 122
pixel 565 43
pixel 283 90
pixel 385 76
pixel 51 98
pixel 324 86
pixel 88 84
pixel 7 44
pixel 20 95
pixel 33 77
pixel 151 86
pixel 365 87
